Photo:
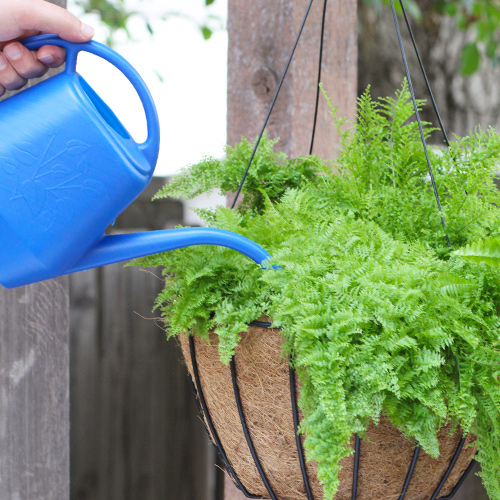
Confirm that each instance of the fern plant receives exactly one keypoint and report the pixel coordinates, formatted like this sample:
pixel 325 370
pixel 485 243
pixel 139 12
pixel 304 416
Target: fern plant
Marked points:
pixel 382 319
pixel 487 251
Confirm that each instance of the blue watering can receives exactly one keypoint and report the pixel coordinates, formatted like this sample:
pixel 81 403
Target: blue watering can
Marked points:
pixel 68 168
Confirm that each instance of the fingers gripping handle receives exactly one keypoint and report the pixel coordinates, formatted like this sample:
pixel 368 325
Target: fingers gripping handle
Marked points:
pixel 151 147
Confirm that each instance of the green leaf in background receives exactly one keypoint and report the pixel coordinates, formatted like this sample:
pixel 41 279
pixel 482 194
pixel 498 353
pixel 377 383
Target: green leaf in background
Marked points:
pixel 206 32
pixel 414 10
pixel 410 6
pixel 450 9
pixel 487 250
pixel 116 14
pixel 471 58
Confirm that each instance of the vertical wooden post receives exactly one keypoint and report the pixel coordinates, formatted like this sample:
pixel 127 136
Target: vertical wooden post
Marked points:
pixel 261 36
pixel 34 390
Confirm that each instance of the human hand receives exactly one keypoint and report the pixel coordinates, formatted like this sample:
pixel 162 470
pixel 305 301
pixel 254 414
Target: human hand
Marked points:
pixel 24 18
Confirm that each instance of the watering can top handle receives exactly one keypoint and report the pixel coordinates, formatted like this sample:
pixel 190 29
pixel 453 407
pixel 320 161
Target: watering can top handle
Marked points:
pixel 150 148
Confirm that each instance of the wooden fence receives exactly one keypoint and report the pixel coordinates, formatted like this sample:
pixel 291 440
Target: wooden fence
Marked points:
pixel 135 430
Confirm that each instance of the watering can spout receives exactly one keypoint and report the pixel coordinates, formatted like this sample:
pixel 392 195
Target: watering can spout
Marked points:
pixel 120 247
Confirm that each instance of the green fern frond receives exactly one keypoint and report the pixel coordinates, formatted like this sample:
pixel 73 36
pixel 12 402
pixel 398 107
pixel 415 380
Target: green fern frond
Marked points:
pixel 487 250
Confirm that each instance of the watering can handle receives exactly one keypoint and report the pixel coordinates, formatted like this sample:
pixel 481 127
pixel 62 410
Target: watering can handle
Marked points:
pixel 150 148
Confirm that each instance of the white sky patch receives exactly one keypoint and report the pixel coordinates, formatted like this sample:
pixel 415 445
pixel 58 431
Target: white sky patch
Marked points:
pixel 191 101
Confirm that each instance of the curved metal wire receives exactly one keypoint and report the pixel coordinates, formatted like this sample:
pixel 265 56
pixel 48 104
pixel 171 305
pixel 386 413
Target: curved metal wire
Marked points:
pixel 298 441
pixel 355 472
pixel 450 468
pixel 248 438
pixel 410 473
pixel 460 482
pixel 202 406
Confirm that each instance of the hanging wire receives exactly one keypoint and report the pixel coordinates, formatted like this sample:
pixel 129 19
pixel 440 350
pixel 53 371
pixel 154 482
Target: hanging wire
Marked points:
pixel 320 65
pixel 272 105
pixel 419 121
pixel 427 83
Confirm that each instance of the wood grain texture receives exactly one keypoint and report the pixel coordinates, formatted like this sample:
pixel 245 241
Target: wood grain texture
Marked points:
pixel 135 430
pixel 261 36
pixel 34 390
pixel 135 434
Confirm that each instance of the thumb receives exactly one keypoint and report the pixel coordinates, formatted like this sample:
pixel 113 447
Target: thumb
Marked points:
pixel 39 15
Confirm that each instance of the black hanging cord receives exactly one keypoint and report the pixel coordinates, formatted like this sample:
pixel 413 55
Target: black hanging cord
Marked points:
pixel 427 83
pixel 272 105
pixel 320 65
pixel 419 121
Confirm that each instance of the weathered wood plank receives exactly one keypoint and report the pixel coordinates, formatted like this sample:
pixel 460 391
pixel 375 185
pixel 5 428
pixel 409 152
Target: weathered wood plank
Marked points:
pixel 136 433
pixel 261 36
pixel 34 399
pixel 34 390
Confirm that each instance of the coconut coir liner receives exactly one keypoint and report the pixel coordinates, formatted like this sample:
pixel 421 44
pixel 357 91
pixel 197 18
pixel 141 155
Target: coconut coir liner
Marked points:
pixel 263 380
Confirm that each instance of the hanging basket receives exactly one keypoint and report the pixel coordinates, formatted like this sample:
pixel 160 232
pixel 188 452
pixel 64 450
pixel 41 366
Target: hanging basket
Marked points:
pixel 385 465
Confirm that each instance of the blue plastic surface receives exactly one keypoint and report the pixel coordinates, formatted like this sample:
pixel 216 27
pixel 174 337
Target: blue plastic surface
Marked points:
pixel 118 247
pixel 68 167
pixel 151 147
